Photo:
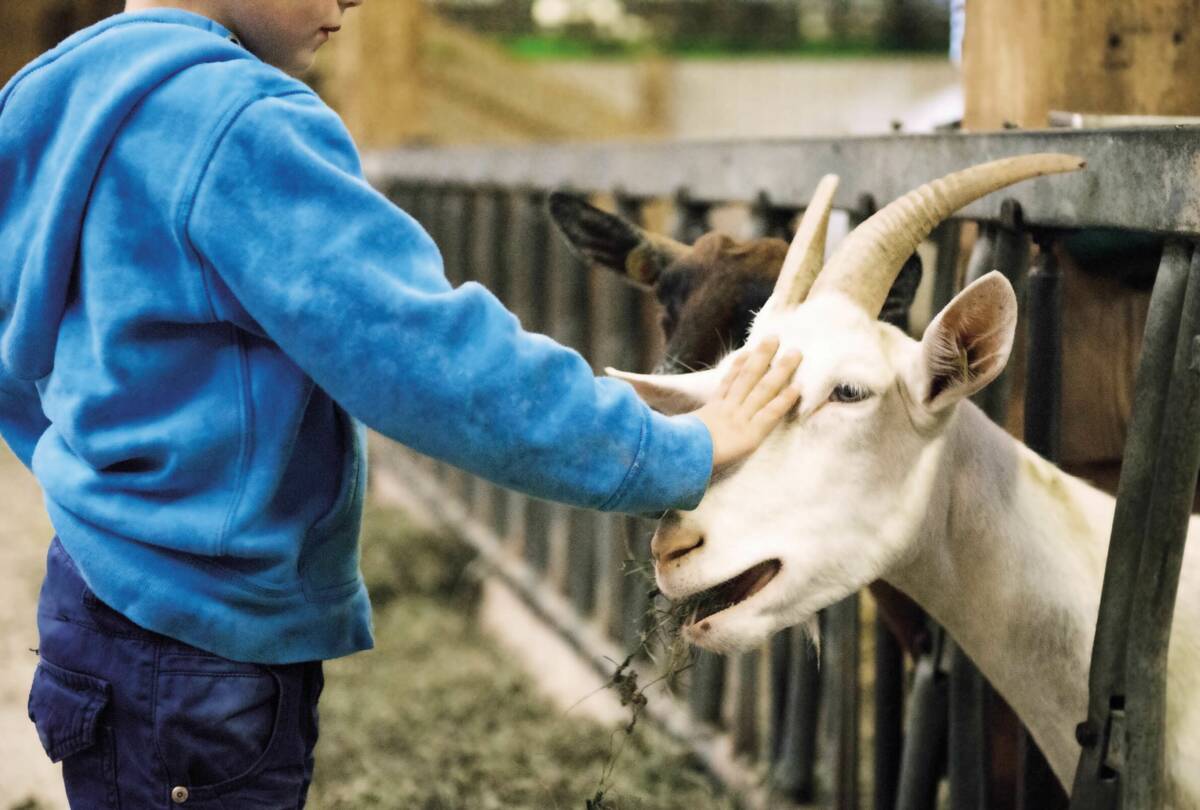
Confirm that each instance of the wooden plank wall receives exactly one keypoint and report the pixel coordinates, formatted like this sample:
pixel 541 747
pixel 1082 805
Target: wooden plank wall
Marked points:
pixel 1023 58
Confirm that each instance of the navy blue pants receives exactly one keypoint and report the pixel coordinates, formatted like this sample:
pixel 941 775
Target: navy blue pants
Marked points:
pixel 142 721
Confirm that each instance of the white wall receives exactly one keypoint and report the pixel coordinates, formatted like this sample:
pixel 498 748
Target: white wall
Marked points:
pixel 751 98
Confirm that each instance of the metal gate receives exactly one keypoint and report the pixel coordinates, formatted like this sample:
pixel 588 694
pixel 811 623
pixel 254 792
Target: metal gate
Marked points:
pixel 774 710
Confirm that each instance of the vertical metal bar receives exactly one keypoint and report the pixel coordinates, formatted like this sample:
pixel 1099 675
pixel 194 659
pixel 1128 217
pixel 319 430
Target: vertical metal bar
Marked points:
pixel 707 687
pixel 1043 392
pixel 1097 782
pixel 779 651
pixel 482 266
pixel 433 217
pixel 539 514
pixel 947 236
pixel 454 227
pixel 925 730
pixel 744 724
pixel 888 716
pixel 845 628
pixel 770 220
pixel 523 257
pixel 967 757
pixel 1157 582
pixel 499 284
pixel 1037 788
pixel 794 774
pixel 415 201
pixel 574 543
pixel 628 538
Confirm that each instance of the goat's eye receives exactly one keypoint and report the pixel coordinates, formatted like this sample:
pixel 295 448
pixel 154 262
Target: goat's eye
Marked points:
pixel 848 392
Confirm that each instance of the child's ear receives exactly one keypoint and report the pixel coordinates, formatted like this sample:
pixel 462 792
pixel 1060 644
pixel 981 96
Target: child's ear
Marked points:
pixel 967 344
pixel 672 393
pixel 611 241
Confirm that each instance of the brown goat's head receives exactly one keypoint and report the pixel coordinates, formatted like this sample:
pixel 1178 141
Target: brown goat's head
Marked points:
pixel 708 292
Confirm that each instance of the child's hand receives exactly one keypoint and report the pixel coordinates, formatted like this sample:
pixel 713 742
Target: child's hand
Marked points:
pixel 752 398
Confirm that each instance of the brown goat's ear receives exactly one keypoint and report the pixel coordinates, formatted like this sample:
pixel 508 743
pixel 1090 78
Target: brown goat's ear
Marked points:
pixel 611 241
pixel 968 343
pixel 672 393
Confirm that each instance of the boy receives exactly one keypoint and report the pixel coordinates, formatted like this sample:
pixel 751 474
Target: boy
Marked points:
pixel 199 298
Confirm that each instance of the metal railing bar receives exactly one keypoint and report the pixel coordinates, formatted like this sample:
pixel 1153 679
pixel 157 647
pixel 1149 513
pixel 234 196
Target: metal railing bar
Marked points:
pixel 947 237
pixel 967 758
pixel 483 266
pixel 925 730
pixel 794 771
pixel 1038 788
pixel 1097 786
pixel 1137 179
pixel 843 701
pixel 743 726
pixel 779 664
pixel 1157 579
pixel 888 716
pixel 706 688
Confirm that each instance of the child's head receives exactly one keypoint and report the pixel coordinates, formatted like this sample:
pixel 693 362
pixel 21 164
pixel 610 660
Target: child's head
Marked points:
pixel 284 33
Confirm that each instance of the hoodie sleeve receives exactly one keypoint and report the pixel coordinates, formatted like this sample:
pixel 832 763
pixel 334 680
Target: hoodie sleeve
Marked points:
pixel 22 421
pixel 353 290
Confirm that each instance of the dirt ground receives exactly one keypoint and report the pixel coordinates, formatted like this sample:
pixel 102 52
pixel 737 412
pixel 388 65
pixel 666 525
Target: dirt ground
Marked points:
pixel 26 775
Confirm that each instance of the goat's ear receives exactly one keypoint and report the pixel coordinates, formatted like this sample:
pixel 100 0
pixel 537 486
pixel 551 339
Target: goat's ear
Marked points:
pixel 672 393
pixel 967 344
pixel 611 241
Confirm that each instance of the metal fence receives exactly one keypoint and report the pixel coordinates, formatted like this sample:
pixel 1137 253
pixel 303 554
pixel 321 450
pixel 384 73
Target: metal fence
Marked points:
pixel 807 727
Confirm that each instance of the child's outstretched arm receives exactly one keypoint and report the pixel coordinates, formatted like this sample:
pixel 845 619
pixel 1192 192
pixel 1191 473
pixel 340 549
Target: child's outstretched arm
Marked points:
pixel 298 248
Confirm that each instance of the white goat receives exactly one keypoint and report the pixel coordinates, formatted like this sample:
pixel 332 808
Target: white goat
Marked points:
pixel 884 471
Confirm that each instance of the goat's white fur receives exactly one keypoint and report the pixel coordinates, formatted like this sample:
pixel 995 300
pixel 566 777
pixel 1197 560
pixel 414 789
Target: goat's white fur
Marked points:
pixel 1002 548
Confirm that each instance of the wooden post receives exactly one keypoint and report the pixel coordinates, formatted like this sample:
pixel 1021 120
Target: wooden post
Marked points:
pixel 371 73
pixel 1024 58
pixel 31 28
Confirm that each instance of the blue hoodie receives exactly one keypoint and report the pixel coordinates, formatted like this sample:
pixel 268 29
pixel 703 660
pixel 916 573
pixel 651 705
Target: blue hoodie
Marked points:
pixel 200 297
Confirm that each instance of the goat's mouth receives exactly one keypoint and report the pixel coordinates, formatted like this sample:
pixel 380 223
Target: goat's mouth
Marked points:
pixel 731 592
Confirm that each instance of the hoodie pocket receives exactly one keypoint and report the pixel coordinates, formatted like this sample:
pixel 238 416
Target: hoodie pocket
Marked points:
pixel 329 558
pixel 68 709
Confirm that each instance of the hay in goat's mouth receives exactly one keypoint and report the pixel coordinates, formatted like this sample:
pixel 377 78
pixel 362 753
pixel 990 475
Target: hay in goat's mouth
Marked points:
pixel 731 592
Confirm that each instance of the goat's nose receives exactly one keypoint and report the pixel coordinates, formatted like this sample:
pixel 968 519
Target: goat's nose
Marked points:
pixel 672 540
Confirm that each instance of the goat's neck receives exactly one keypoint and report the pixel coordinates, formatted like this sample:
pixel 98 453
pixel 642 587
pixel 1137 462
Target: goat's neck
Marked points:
pixel 1010 560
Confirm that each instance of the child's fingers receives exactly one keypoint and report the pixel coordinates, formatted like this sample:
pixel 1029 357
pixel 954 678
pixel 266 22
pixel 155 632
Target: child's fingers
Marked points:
pixel 756 365
pixel 735 367
pixel 777 408
pixel 772 382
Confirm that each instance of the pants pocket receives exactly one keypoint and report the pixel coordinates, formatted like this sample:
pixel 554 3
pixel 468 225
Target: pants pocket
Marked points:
pixel 216 721
pixel 68 708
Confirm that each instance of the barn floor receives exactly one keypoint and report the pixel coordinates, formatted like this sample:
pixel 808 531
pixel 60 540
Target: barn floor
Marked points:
pixel 436 717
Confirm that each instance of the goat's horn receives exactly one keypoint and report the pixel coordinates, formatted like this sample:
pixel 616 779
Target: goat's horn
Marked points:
pixel 866 263
pixel 806 254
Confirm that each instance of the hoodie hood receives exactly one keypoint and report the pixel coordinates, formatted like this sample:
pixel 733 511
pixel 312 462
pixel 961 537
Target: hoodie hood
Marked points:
pixel 58 116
